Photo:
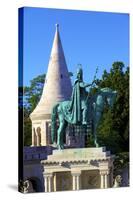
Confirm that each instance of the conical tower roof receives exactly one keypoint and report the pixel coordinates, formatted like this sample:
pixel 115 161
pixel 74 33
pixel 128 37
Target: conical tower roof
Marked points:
pixel 57 85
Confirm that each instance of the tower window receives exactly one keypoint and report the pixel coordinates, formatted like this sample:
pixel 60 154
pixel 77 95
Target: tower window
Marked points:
pixel 61 76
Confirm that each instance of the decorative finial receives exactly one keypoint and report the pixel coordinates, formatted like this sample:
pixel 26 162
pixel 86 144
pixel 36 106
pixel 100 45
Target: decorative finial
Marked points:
pixel 57 26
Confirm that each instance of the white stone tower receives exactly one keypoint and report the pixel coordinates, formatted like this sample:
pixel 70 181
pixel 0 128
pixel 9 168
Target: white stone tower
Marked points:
pixel 57 88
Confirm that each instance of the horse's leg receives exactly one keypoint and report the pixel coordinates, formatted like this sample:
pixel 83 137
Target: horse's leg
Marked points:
pixel 94 133
pixel 95 139
pixel 60 132
pixel 95 125
pixel 60 144
pixel 63 131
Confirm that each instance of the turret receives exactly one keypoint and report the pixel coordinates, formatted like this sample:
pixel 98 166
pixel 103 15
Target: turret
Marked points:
pixel 57 88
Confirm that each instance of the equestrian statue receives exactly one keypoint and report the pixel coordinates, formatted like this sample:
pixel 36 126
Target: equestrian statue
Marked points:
pixel 81 109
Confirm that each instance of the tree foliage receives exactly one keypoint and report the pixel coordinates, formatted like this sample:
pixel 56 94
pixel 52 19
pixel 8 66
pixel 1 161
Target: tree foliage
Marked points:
pixel 114 127
pixel 30 96
pixel 121 162
pixel 33 92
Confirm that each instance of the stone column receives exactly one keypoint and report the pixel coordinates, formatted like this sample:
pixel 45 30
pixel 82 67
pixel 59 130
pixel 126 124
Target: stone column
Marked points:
pixel 76 180
pixel 38 140
pixel 54 183
pixel 44 132
pixel 33 137
pixel 48 181
pixel 104 178
pixel 73 182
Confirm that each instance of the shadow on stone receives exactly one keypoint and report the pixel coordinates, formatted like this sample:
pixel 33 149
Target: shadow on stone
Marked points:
pixel 13 187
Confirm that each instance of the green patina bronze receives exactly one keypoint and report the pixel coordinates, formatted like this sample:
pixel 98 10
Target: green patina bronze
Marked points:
pixel 81 109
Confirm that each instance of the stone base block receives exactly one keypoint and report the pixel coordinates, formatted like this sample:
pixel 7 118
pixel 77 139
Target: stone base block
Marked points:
pixel 79 154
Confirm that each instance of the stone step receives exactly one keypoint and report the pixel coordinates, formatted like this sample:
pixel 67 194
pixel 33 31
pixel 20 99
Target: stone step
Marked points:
pixel 79 154
pixel 80 150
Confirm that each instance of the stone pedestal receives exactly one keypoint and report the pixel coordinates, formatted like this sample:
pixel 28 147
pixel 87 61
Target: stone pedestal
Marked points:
pixel 81 168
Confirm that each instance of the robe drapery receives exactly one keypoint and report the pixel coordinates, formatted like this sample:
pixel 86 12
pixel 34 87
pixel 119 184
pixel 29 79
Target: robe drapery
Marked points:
pixel 72 110
pixel 75 104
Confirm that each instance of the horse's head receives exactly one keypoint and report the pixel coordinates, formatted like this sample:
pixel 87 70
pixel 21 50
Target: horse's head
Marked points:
pixel 109 95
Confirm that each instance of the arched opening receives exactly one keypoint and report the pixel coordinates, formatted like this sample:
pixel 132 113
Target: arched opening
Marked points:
pixel 35 185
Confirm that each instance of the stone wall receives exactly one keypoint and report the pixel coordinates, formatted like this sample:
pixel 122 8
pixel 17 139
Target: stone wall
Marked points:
pixel 37 153
pixel 33 168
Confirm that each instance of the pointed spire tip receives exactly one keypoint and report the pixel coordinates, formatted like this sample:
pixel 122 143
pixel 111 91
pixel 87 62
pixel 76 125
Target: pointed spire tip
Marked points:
pixel 57 26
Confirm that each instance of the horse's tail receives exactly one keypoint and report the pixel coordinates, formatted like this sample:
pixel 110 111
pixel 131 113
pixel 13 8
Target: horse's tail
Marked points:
pixel 53 123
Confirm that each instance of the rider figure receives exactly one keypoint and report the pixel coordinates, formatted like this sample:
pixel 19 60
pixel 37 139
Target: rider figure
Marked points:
pixel 79 98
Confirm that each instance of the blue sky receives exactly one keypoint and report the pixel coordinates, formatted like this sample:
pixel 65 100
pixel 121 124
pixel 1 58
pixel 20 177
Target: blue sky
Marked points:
pixel 89 38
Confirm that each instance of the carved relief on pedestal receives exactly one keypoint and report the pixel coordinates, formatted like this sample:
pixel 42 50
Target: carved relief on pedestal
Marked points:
pixel 90 179
pixel 64 181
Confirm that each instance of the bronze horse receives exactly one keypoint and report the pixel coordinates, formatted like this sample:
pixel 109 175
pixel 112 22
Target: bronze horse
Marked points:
pixel 95 107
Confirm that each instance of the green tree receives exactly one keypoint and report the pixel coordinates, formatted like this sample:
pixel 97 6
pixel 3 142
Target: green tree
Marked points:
pixel 31 96
pixel 114 127
pixel 33 92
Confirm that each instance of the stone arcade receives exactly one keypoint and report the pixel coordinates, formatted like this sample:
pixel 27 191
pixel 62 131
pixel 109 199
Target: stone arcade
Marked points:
pixel 48 169
pixel 74 169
